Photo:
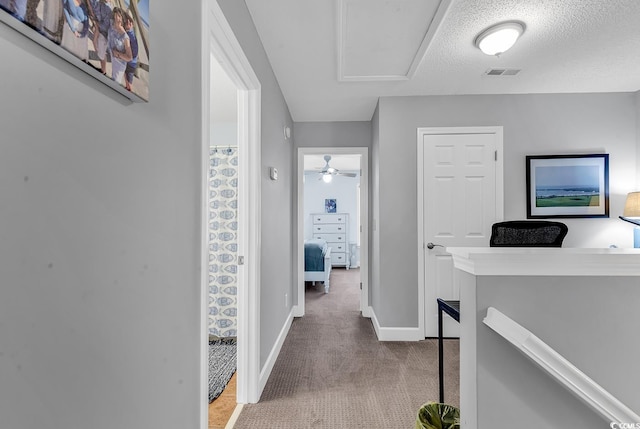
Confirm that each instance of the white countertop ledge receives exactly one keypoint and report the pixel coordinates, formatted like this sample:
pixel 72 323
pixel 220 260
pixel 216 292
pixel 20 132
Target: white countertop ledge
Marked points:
pixel 527 261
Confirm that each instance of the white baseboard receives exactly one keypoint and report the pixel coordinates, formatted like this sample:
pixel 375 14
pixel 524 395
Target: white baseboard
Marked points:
pixel 275 351
pixel 367 311
pixel 234 417
pixel 297 311
pixel 395 334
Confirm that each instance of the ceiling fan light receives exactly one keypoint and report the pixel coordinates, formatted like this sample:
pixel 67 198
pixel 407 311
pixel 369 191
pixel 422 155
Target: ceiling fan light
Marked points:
pixel 326 178
pixel 499 38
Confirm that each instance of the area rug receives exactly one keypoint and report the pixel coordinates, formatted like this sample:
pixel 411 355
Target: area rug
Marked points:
pixel 222 365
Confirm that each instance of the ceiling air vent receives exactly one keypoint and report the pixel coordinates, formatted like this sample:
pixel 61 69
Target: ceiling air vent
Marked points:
pixel 502 72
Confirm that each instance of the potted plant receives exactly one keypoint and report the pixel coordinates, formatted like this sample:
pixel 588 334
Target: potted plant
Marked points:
pixel 434 415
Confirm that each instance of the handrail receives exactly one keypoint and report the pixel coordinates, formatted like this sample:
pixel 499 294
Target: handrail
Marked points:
pixel 605 404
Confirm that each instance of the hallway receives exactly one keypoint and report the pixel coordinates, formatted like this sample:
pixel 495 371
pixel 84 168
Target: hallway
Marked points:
pixel 332 371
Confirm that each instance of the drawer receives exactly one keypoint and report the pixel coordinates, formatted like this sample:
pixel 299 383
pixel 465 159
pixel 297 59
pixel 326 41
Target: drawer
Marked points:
pixel 337 238
pixel 320 218
pixel 337 247
pixel 331 228
pixel 338 258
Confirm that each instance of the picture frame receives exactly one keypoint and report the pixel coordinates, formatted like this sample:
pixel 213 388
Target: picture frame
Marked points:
pixel 70 29
pixel 567 186
pixel 330 205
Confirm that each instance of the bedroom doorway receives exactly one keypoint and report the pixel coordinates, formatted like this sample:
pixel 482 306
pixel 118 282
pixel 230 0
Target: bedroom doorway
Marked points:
pixel 333 187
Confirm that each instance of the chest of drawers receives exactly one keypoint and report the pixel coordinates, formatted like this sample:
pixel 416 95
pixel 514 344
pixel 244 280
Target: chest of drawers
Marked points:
pixel 334 228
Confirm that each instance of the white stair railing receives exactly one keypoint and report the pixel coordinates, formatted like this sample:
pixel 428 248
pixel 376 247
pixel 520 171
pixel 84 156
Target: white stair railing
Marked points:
pixel 563 371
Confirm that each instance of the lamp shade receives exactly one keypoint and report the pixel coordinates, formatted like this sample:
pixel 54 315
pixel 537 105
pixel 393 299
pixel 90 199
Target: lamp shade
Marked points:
pixel 632 205
pixel 499 38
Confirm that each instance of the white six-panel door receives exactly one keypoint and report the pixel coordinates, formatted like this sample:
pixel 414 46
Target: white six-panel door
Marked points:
pixel 459 198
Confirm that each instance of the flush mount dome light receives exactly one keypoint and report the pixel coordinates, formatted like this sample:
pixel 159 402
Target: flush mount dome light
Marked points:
pixel 499 38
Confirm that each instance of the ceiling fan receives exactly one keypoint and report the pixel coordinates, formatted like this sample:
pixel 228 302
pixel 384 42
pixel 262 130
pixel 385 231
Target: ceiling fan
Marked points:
pixel 327 171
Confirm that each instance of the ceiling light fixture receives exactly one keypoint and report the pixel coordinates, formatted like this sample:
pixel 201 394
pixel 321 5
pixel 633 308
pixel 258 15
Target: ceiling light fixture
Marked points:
pixel 326 177
pixel 499 38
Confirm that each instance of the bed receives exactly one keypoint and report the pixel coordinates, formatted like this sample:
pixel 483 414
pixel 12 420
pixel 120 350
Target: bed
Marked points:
pixel 317 262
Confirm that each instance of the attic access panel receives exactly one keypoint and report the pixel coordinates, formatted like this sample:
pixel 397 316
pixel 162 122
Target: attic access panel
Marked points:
pixel 385 40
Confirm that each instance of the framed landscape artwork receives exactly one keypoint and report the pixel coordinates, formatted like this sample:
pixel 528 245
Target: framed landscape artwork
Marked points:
pixel 569 186
pixel 108 39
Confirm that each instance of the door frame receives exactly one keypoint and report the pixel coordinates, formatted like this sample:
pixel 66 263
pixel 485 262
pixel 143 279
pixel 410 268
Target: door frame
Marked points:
pixel 218 41
pixel 499 204
pixel 299 307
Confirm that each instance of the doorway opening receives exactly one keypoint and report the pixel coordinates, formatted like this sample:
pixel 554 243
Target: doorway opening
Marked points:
pixel 222 183
pixel 223 58
pixel 333 200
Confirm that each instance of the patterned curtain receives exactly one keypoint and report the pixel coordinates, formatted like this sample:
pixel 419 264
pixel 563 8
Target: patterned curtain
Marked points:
pixel 223 245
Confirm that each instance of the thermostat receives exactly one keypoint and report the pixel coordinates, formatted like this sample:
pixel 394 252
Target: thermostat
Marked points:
pixel 273 173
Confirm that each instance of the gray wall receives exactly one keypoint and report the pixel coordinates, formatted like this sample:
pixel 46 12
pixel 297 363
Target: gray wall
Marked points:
pixel 560 311
pixel 637 106
pixel 332 134
pixel 276 201
pixel 533 124
pixel 100 232
pixel 100 237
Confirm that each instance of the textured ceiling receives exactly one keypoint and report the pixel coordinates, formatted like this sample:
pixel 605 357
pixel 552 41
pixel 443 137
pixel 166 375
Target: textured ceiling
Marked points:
pixel 568 46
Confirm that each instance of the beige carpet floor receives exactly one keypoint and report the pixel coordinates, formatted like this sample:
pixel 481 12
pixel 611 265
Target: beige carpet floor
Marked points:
pixel 332 372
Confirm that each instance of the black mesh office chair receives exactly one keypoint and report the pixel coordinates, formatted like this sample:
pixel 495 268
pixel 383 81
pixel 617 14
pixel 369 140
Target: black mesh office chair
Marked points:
pixel 513 233
pixel 528 233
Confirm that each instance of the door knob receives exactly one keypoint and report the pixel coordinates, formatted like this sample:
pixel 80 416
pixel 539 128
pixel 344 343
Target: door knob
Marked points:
pixel 431 245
